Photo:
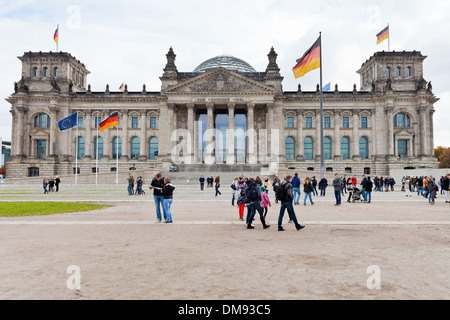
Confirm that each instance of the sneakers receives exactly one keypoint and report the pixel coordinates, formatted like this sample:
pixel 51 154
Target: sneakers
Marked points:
pixel 300 227
pixel 281 229
pixel 167 221
pixel 290 221
pixel 250 227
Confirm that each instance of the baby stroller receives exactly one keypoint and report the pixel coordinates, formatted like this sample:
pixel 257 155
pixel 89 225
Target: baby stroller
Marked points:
pixel 357 194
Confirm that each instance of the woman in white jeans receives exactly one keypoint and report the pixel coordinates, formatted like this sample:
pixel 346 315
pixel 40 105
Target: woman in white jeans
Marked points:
pixel 407 187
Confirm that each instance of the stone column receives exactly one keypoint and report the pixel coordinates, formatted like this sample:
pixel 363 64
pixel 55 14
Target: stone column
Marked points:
pixel 318 141
pixel 88 137
pixel 125 139
pixel 230 134
pixel 21 110
pixel 106 136
pixel 143 137
pixel 424 130
pixel 171 108
pixel 390 126
pixel 299 144
pixel 53 129
pixel 355 139
pixel 373 145
pixel 337 135
pixel 251 136
pixel 209 157
pixel 430 115
pixel 13 131
pixel 269 126
pixel 190 127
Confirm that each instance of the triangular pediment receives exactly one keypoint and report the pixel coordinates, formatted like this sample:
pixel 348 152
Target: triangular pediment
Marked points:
pixel 221 81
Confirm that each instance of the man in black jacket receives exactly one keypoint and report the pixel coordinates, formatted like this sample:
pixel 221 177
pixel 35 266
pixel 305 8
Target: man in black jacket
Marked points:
pixel 253 200
pixel 157 185
pixel 286 196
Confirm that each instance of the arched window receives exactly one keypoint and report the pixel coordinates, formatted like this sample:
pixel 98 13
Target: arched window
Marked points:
pixel 398 71
pixel 45 72
pixel 290 148
pixel 35 72
pixel 55 72
pixel 402 120
pixel 153 148
pixel 345 148
pixel 308 151
pixel 100 148
pixel 408 72
pixel 388 72
pixel 42 121
pixel 117 147
pixel 364 148
pixel 135 148
pixel 327 148
pixel 81 147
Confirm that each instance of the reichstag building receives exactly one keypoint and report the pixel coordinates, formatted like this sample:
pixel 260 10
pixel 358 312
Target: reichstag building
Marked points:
pixel 223 113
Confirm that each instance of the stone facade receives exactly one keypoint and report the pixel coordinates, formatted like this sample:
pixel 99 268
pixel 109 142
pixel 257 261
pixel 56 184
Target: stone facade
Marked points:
pixel 387 124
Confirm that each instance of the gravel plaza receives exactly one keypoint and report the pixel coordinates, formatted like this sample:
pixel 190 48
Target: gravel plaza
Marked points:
pixel 396 247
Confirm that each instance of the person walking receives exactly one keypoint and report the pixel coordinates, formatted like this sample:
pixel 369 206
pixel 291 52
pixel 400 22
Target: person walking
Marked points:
pixel 369 188
pixel 265 201
pixel 240 199
pixel 202 182
pixel 45 182
pixel 276 185
pixel 167 193
pixel 130 184
pixel 337 185
pixel 157 184
pixel 307 190
pixel 253 201
pixel 446 187
pixel 350 188
pixel 139 184
pixel 323 184
pixel 57 182
pixel 286 196
pixel 296 188
pixel 234 187
pixel 432 190
pixel 314 186
pixel 217 185
pixel 363 186
pixel 407 186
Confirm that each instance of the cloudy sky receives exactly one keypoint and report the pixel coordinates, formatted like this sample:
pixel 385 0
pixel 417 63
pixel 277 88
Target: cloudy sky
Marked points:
pixel 126 41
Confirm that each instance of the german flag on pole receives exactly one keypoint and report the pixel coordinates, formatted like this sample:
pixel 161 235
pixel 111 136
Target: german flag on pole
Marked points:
pixel 383 35
pixel 309 61
pixel 55 36
pixel 112 121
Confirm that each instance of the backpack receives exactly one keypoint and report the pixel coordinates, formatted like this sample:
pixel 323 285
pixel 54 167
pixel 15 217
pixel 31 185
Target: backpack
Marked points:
pixel 282 194
pixel 233 186
pixel 250 193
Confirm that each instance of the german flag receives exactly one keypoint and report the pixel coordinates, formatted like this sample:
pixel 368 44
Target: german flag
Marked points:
pixel 112 121
pixel 309 61
pixel 55 36
pixel 383 35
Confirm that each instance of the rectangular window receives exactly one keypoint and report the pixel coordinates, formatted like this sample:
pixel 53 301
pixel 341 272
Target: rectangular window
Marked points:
pixel 345 122
pixel 290 122
pixel 80 123
pixel 326 122
pixel 152 122
pixel 308 122
pixel 403 148
pixel 98 120
pixel 134 122
pixel 363 122
pixel 41 150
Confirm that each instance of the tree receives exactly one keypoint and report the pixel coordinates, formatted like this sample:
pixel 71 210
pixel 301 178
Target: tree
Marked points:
pixel 439 151
pixel 444 159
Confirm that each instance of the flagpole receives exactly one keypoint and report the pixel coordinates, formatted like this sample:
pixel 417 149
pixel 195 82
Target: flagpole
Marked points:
pixel 76 156
pixel 96 157
pixel 389 38
pixel 117 154
pixel 321 113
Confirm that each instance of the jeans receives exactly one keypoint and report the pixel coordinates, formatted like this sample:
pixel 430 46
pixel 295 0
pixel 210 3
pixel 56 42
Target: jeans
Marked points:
pixel 337 195
pixel 322 191
pixel 287 205
pixel 420 191
pixel 308 194
pixel 202 185
pixel 130 190
pixel 45 187
pixel 232 200
pixel 315 191
pixel 368 195
pixel 252 208
pixel 296 194
pixel 159 200
pixel 364 193
pixel 217 191
pixel 167 203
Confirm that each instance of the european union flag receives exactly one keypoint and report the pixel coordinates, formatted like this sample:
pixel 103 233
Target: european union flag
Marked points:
pixel 69 122
pixel 327 87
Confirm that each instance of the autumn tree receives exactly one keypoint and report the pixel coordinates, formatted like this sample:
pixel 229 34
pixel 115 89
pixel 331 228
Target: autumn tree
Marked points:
pixel 444 158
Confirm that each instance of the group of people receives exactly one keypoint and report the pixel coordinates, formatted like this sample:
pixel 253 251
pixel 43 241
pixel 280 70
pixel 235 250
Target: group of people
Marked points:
pixel 51 183
pixel 427 187
pixel 163 197
pixel 210 180
pixel 139 184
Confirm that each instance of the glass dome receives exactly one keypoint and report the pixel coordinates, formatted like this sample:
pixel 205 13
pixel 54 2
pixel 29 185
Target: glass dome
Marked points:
pixel 225 61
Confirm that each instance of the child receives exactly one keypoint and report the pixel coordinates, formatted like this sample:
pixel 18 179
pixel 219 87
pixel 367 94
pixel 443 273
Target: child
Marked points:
pixel 240 199
pixel 265 201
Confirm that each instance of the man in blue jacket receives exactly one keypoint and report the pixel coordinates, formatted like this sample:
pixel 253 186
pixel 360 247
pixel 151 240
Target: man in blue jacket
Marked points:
pixel 296 188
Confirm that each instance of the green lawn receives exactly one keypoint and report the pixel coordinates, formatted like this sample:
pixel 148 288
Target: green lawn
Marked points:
pixel 22 209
